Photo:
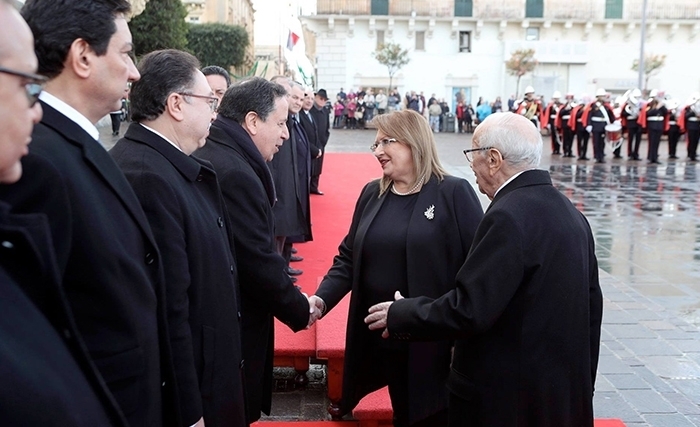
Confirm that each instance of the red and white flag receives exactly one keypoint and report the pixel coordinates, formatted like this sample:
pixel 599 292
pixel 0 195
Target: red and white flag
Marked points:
pixel 292 40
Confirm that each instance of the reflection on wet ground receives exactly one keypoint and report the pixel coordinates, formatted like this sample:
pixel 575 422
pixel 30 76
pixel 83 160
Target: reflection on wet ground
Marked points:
pixel 646 221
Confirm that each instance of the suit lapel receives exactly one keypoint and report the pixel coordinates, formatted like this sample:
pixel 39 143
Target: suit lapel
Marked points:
pixel 100 161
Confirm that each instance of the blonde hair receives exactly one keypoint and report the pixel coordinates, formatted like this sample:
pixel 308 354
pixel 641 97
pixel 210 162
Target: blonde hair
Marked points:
pixel 411 129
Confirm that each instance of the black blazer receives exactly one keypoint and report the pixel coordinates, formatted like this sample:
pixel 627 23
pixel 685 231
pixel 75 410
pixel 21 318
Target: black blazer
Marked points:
pixel 182 200
pixel 322 121
pixel 437 242
pixel 292 191
pixel 47 376
pixel 526 311
pixel 108 261
pixel 266 289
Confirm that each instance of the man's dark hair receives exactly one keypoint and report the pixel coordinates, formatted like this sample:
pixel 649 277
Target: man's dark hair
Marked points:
pixel 218 71
pixel 255 94
pixel 162 72
pixel 57 23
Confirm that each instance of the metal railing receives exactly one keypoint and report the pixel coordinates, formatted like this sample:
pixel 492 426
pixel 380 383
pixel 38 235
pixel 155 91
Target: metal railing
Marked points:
pixel 343 7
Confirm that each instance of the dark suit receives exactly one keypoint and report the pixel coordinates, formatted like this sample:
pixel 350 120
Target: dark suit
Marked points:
pixel 182 200
pixel 313 132
pixel 110 266
pixel 291 205
pixel 321 124
pixel 47 378
pixel 266 290
pixel 526 312
pixel 435 250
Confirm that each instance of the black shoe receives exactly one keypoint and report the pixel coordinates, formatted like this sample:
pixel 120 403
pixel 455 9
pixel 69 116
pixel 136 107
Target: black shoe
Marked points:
pixel 294 250
pixel 673 157
pixel 294 272
pixel 294 279
pixel 296 258
pixel 584 158
pixel 600 161
pixel 319 192
pixel 115 133
pixel 617 156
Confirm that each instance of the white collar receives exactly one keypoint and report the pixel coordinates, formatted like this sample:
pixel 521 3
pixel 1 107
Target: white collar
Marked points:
pixel 162 136
pixel 71 113
pixel 509 180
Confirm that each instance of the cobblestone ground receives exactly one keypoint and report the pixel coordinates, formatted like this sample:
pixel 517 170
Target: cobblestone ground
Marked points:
pixel 646 221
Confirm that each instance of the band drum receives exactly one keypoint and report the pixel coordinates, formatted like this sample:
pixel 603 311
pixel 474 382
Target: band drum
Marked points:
pixel 613 134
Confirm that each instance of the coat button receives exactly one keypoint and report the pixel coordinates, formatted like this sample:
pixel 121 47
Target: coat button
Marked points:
pixel 150 258
pixel 7 244
pixel 239 315
pixel 220 221
pixel 163 385
pixel 200 177
pixel 232 269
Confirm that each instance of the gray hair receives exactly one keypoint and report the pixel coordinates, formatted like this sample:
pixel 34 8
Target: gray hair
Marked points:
pixel 515 137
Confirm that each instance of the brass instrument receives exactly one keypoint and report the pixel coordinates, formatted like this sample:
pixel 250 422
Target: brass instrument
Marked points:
pixel 632 109
pixel 696 107
pixel 531 110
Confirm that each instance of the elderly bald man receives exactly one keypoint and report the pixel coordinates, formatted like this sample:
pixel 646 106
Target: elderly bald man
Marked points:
pixel 527 306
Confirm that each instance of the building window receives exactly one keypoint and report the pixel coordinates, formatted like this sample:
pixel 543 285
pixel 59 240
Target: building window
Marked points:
pixel 420 40
pixel 465 41
pixel 194 19
pixel 613 9
pixel 532 34
pixel 534 8
pixel 380 38
pixel 380 7
pixel 463 7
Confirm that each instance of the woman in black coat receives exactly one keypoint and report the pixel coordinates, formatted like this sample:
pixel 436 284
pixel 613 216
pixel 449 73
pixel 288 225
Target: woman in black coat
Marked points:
pixel 412 227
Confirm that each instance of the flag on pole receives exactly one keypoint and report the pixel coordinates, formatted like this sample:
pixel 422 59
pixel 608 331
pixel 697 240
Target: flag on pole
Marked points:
pixel 292 40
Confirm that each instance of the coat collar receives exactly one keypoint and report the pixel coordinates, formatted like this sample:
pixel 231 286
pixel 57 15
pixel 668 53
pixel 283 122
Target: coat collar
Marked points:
pixel 188 166
pixel 526 179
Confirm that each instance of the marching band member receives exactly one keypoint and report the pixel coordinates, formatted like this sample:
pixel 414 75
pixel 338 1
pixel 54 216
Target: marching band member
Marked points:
pixel 629 116
pixel 562 122
pixel 674 129
pixel 654 118
pixel 549 119
pixel 576 123
pixel 689 121
pixel 596 116
pixel 530 107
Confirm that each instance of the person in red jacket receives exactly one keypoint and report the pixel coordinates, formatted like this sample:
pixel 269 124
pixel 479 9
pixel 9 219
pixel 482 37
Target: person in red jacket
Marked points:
pixel 562 123
pixel 549 119
pixel 530 107
pixel 654 118
pixel 596 116
pixel 689 121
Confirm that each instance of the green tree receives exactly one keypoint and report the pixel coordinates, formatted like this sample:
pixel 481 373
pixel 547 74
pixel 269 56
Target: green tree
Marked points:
pixel 521 62
pixel 652 66
pixel 218 44
pixel 393 57
pixel 161 26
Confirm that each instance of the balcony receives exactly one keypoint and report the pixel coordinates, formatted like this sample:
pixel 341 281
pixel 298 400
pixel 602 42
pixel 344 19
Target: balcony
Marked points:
pixel 577 10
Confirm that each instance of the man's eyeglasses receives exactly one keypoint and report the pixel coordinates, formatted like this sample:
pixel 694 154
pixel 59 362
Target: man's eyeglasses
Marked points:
pixel 469 153
pixel 33 87
pixel 384 142
pixel 211 100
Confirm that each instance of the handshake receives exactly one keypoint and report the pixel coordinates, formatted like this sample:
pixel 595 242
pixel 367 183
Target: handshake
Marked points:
pixel 317 308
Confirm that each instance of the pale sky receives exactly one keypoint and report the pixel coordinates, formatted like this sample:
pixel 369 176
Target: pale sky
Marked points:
pixel 273 18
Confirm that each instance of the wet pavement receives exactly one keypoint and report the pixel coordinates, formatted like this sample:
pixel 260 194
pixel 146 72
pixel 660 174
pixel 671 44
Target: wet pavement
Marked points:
pixel 646 222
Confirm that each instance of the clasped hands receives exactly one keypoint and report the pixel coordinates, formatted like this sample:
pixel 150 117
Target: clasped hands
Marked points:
pixel 377 318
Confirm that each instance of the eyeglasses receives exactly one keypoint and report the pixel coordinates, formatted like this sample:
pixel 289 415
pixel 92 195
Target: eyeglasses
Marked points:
pixel 384 142
pixel 211 100
pixel 468 153
pixel 33 87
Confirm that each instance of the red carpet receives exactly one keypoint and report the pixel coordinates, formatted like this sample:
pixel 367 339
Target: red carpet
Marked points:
pixel 344 176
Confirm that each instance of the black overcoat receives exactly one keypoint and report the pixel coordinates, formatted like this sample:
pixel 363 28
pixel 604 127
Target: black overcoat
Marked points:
pixel 526 311
pixel 109 263
pixel 182 200
pixel 47 376
pixel 292 192
pixel 266 289
pixel 438 238
pixel 322 120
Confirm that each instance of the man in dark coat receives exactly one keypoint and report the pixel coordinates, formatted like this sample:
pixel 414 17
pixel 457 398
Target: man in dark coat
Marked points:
pixel 320 113
pixel 527 307
pixel 291 179
pixel 249 130
pixel 47 376
pixel 172 108
pixel 311 130
pixel 109 265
